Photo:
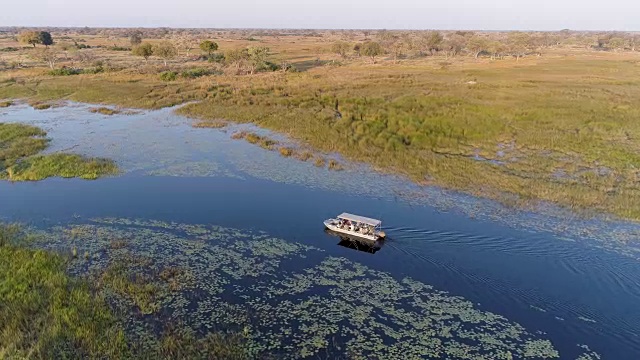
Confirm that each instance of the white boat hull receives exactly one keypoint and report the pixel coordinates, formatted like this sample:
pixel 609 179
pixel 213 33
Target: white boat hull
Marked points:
pixel 336 229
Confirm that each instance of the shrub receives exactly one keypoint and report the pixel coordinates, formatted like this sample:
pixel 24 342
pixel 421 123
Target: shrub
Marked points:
pixel 267 66
pixel 93 70
pixel 215 58
pixel 194 73
pixel 168 75
pixel 119 48
pixel 65 72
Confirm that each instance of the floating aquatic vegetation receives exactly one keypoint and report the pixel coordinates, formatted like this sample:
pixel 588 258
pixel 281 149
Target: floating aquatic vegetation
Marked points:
pixel 289 299
pixel 588 354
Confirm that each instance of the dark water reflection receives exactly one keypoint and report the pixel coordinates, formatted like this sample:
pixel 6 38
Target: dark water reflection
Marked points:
pixel 571 291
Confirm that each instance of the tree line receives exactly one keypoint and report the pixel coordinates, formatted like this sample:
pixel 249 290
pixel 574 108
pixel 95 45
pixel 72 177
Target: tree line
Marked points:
pixel 516 44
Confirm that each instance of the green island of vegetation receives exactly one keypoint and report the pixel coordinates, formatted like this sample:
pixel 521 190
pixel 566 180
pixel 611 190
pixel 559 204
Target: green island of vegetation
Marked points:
pixel 520 117
pixel 20 160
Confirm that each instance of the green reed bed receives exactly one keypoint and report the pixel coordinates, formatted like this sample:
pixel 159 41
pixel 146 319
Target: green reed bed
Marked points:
pixel 45 314
pixel 20 160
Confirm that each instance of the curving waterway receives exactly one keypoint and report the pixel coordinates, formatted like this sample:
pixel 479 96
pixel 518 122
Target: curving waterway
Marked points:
pixel 458 277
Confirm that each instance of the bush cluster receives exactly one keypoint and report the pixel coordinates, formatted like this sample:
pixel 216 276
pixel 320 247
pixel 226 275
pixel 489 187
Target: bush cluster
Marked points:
pixel 65 72
pixel 168 75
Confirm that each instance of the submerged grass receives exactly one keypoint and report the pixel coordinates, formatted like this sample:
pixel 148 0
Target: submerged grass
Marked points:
pixel 47 314
pixel 20 161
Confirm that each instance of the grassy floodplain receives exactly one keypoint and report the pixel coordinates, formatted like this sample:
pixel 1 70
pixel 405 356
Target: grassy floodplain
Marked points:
pixel 20 160
pixel 560 127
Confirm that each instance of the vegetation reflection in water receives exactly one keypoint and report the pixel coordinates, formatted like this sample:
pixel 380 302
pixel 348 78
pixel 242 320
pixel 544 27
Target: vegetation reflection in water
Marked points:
pixel 287 298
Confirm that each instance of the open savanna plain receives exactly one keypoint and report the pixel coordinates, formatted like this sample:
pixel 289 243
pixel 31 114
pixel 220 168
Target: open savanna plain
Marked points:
pixel 559 125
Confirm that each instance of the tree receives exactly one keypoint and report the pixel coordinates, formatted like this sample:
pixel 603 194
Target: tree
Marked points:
pixel 496 49
pixel 50 56
pixel 165 50
pixel 257 57
pixel 66 48
pixel 186 43
pixel 371 49
pixel 145 50
pixel 341 48
pixel 236 57
pixel 634 42
pixel 430 42
pixel 135 37
pixel 454 44
pixel 45 38
pixel 518 44
pixel 616 43
pixel 356 49
pixel 208 47
pixel 477 45
pixel 29 37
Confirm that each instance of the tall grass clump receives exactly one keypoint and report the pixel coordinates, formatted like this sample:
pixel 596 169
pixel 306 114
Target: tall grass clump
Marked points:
pixel 104 111
pixel 65 72
pixel 168 75
pixel 45 314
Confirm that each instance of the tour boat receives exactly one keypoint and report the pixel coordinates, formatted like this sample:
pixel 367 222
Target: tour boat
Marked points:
pixel 357 226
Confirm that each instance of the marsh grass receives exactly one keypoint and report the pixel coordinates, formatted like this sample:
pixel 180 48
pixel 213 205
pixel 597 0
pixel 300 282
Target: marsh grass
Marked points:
pixel 212 124
pixel 20 161
pixel 5 104
pixel 508 135
pixel 64 165
pixel 285 151
pixel 41 106
pixel 47 314
pixel 303 155
pixel 104 110
pixel 335 165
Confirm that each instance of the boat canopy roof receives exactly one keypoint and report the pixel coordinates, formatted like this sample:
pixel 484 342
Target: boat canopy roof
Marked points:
pixel 360 219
